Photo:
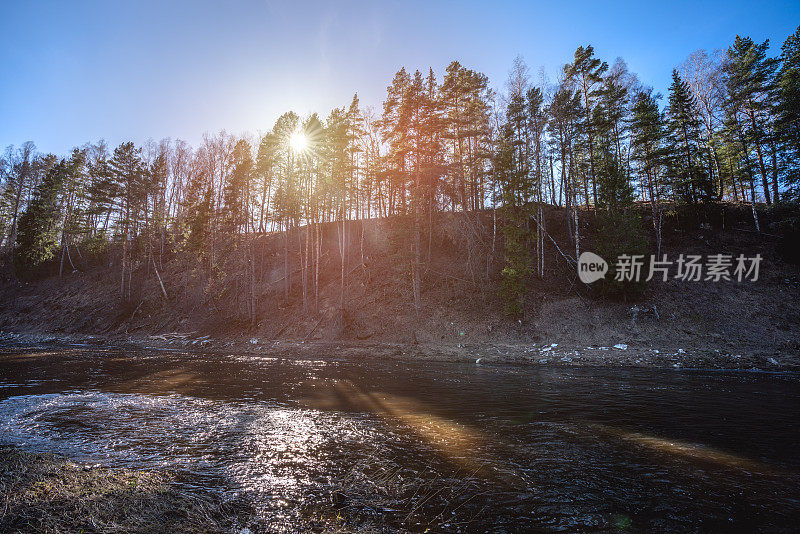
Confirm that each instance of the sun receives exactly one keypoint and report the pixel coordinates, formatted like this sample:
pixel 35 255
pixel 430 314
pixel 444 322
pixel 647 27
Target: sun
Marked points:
pixel 298 141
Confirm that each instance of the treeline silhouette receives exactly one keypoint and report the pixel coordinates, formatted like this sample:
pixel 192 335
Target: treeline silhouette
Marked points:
pixel 595 140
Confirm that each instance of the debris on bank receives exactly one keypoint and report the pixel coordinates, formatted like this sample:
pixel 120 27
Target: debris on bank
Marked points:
pixel 617 355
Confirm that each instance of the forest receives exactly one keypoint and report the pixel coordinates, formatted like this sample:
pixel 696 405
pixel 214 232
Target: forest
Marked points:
pixel 248 215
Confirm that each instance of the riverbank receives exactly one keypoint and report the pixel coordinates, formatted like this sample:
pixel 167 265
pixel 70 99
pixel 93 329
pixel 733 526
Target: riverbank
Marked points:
pixel 48 493
pixel 542 354
pixel 718 324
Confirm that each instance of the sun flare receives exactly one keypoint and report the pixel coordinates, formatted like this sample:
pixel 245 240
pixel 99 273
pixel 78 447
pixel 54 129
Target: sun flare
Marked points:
pixel 298 142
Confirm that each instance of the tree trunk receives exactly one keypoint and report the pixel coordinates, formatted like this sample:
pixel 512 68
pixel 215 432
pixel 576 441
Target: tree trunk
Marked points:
pixel 125 248
pixel 303 273
pixel 61 263
pixel 591 150
pixel 318 244
pixel 343 261
pixel 577 233
pixel 64 239
pixel 752 178
pixel 775 196
pixel 286 273
pixel 124 261
pixel 160 282
pixel 721 191
pixel 753 206
pixel 363 264
pixel 12 235
pixel 761 167
pixel 252 281
pixel 416 267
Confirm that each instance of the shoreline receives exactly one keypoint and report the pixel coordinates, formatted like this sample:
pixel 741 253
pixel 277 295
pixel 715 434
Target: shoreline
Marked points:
pixel 46 492
pixel 539 354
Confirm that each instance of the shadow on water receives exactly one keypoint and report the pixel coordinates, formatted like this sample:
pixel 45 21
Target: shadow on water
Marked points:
pixel 418 445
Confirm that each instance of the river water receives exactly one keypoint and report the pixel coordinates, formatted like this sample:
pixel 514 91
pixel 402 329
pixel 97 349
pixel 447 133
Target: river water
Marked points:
pixel 419 445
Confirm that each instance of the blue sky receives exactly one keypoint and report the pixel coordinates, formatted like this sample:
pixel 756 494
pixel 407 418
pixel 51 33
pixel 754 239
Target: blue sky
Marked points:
pixel 72 72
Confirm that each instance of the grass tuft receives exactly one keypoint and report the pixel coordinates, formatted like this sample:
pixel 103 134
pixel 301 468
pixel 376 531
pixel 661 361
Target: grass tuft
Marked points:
pixel 46 493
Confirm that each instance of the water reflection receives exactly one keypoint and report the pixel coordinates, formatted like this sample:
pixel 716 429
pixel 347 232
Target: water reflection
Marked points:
pixel 416 446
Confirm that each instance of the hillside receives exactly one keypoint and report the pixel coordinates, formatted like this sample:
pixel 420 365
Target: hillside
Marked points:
pixel 460 288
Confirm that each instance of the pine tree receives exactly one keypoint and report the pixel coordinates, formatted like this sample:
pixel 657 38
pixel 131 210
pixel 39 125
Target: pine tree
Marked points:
pixel 537 121
pixel 354 132
pixel 73 199
pixel 566 114
pixel 587 72
pixel 130 174
pixel 789 108
pixel 432 165
pixel 394 126
pixel 690 180
pixel 749 76
pixel 614 99
pixel 614 188
pixel 103 193
pixel 266 170
pixel 235 212
pixel 516 252
pixel 155 185
pixel 512 174
pixel 199 231
pixel 465 97
pixel 338 170
pixel 647 151
pixel 38 232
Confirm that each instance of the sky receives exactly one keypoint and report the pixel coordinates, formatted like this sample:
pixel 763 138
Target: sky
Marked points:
pixel 77 72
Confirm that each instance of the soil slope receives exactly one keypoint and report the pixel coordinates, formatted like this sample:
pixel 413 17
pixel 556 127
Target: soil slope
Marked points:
pixel 707 323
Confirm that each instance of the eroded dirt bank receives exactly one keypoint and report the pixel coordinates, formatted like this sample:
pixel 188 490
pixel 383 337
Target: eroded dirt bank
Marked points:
pixel 725 324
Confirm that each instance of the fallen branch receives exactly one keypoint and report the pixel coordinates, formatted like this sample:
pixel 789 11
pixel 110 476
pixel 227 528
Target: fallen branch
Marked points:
pixel 315 326
pixel 137 309
pixel 164 291
pixel 281 330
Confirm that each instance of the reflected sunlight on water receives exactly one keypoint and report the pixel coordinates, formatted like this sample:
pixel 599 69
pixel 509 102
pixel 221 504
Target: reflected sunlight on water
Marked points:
pixel 438 446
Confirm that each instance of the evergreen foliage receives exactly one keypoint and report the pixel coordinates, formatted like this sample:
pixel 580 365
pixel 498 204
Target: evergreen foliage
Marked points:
pixel 593 144
pixel 37 237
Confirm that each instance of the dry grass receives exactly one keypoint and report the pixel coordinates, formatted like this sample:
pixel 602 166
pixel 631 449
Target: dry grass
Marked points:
pixel 45 493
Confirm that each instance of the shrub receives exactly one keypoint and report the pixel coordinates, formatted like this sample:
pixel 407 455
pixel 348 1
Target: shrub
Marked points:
pixel 620 233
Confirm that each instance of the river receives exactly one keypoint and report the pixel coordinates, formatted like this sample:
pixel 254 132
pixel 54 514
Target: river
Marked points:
pixel 411 445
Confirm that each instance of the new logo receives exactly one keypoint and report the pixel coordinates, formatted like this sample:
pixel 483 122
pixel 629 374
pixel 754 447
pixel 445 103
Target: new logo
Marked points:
pixel 591 267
